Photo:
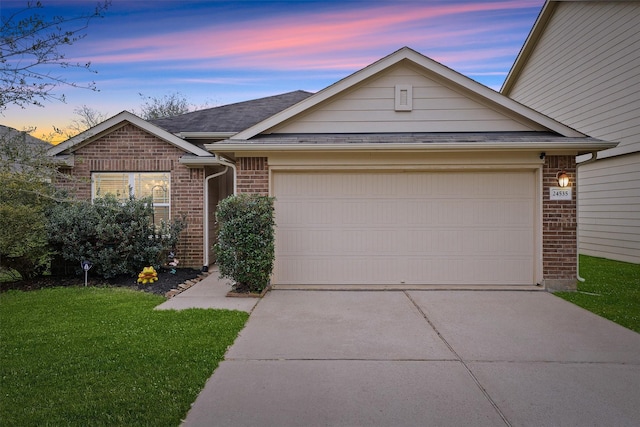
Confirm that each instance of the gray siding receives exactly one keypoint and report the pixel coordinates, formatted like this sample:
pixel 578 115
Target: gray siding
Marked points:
pixel 585 73
pixel 371 107
pixel 609 208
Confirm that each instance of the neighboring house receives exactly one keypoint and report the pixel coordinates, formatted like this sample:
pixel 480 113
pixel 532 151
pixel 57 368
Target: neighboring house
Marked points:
pixel 10 137
pixel 403 174
pixel 9 134
pixel 581 66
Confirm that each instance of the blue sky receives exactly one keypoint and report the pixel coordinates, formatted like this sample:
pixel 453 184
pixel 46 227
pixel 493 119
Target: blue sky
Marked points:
pixel 220 52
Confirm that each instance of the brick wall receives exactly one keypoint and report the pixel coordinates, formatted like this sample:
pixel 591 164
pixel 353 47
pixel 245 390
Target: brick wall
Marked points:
pixel 253 175
pixel 130 149
pixel 559 227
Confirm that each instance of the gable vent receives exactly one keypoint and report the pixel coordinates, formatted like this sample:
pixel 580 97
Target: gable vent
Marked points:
pixel 404 97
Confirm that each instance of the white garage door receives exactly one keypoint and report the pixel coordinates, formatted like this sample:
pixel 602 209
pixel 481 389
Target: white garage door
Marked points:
pixel 462 228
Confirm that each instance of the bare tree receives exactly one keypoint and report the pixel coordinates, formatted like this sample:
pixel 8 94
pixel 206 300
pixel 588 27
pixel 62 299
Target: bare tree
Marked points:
pixel 169 105
pixel 30 48
pixel 86 118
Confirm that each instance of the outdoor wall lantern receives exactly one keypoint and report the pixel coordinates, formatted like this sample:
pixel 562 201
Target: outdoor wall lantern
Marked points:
pixel 563 179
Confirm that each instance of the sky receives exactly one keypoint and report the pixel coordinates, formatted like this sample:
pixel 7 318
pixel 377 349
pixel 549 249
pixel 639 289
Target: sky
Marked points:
pixel 219 52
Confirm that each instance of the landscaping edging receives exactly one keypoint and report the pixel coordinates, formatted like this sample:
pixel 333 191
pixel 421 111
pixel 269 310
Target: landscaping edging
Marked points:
pixel 232 294
pixel 186 285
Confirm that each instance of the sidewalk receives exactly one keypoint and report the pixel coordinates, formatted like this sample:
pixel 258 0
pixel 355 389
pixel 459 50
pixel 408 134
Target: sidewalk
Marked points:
pixel 210 292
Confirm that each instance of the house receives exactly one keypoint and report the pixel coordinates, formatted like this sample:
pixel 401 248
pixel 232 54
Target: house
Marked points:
pixel 581 66
pixel 403 174
pixel 126 152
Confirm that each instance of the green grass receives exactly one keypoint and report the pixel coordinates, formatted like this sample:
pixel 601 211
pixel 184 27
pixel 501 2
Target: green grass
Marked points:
pixel 611 289
pixel 104 357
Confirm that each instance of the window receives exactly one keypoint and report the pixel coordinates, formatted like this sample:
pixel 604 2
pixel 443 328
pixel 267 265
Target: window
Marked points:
pixel 137 184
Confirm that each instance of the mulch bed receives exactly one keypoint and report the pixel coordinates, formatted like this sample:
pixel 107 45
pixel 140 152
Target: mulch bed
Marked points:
pixel 166 282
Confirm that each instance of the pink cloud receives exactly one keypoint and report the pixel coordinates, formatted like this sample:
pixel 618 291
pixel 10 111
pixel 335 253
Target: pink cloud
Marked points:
pixel 290 41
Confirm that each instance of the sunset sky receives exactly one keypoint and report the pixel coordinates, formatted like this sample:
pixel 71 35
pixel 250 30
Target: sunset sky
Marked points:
pixel 220 52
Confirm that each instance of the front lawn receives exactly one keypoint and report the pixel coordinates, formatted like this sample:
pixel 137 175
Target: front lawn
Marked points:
pixel 611 289
pixel 89 356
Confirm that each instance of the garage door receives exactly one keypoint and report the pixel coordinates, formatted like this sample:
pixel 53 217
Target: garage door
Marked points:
pixel 365 228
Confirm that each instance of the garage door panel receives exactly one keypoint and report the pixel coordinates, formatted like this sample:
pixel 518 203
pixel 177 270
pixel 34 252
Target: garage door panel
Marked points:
pixel 411 228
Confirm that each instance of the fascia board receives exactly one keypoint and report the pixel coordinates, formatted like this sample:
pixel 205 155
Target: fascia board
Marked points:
pixel 199 161
pixel 549 147
pixel 125 116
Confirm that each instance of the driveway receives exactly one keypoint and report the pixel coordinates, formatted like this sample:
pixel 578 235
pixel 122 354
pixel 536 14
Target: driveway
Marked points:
pixel 424 358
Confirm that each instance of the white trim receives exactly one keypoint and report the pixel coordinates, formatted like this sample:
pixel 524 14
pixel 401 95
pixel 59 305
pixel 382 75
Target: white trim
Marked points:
pixel 558 148
pixel 95 132
pixel 198 162
pixel 131 180
pixel 408 54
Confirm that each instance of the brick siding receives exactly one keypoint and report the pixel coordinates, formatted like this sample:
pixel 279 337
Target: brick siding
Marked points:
pixel 253 175
pixel 559 227
pixel 130 149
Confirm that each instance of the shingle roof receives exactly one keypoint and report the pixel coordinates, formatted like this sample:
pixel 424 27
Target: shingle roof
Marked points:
pixel 233 117
pixel 7 133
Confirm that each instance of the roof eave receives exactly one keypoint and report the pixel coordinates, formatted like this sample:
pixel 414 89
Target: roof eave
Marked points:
pixel 199 161
pixel 547 147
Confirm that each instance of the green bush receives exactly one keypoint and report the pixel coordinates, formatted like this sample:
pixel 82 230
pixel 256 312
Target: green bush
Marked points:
pixel 245 247
pixel 118 238
pixel 23 242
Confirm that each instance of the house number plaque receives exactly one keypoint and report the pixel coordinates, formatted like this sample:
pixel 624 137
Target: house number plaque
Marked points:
pixel 559 193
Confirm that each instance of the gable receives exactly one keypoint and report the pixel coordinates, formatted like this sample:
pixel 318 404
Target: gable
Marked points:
pixel 117 122
pixel 315 114
pixel 429 104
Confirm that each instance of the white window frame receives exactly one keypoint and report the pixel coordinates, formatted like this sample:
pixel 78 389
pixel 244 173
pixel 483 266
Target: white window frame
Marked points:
pixel 132 187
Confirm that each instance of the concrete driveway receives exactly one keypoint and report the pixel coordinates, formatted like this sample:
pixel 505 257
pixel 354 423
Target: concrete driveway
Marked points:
pixel 424 358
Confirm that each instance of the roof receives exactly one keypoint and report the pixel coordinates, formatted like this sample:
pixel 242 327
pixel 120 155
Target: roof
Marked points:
pixel 233 117
pixel 454 78
pixel 227 118
pixel 444 141
pixel 7 133
pixel 11 138
pixel 117 121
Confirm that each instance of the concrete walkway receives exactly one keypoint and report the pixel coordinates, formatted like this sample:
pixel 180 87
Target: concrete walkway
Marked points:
pixel 423 358
pixel 210 292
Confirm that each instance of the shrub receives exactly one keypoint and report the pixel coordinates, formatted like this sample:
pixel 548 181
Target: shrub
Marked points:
pixel 23 243
pixel 118 238
pixel 245 247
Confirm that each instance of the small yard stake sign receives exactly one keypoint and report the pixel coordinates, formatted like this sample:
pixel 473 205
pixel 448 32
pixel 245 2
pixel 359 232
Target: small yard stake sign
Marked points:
pixel 86 266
